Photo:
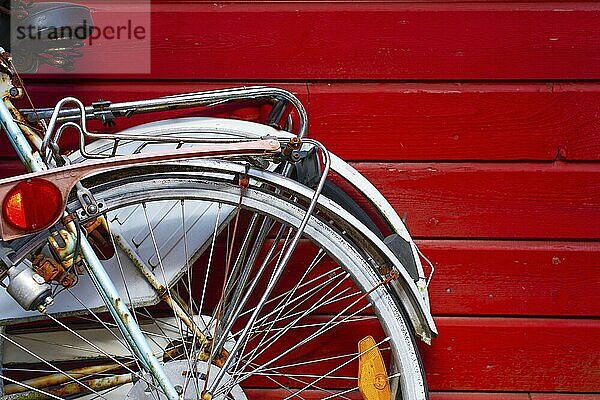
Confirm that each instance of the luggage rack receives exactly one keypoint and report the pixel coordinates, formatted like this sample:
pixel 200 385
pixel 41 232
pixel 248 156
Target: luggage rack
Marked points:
pixel 57 119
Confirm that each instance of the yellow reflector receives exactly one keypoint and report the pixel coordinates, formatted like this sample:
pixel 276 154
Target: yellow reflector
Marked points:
pixel 372 377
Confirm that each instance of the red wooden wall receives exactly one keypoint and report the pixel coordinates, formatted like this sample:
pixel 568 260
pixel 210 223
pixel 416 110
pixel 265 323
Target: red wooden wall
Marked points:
pixel 480 119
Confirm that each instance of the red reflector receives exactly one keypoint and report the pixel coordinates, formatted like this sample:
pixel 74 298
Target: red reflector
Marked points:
pixel 32 205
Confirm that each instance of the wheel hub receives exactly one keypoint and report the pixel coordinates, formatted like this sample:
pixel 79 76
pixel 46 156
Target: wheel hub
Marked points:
pixel 187 382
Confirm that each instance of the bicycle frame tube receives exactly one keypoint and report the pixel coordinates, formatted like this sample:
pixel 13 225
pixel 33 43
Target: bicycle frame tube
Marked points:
pixel 19 142
pixel 131 331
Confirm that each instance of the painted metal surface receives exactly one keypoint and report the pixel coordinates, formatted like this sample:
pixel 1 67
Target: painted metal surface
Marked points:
pixel 322 232
pixel 129 328
pixel 181 101
pixel 410 294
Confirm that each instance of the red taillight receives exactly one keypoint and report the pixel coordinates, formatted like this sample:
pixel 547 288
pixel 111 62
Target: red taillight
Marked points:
pixel 32 205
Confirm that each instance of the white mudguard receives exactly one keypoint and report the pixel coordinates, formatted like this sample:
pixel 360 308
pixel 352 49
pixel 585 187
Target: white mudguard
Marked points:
pixel 165 216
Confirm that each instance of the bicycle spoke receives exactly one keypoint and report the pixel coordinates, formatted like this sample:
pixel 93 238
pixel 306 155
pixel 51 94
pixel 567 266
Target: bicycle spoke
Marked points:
pixel 79 336
pixel 326 327
pixel 317 304
pixel 216 269
pixel 320 378
pixel 160 263
pixel 5 337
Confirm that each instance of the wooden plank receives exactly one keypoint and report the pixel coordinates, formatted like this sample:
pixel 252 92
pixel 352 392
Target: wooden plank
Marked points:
pixel 411 41
pixel 495 354
pixel 393 121
pixel 580 143
pixel 488 200
pixel 514 354
pixel 565 396
pixel 512 396
pixel 514 277
pixel 477 396
pixel 519 278
pixel 10 168
pixel 315 395
pixel 493 200
pixel 400 121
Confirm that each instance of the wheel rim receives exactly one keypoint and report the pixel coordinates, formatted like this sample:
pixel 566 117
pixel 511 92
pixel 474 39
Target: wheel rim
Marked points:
pixel 338 250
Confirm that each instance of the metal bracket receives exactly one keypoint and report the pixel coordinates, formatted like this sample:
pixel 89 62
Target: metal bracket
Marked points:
pixel 102 112
pixel 87 200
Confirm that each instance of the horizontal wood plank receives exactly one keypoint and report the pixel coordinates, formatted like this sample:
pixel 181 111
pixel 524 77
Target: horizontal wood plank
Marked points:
pixel 478 396
pixel 470 200
pixel 388 121
pixel 514 354
pixel 331 40
pixel 502 355
pixel 514 277
pixel 493 200
pixel 315 395
pixel 565 396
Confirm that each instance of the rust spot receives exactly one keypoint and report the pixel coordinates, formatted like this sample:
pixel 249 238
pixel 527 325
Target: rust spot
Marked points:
pixel 556 260
pixel 51 270
pixel 244 181
pixel 220 359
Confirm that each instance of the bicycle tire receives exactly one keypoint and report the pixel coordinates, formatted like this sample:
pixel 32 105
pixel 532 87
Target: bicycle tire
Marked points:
pixel 122 190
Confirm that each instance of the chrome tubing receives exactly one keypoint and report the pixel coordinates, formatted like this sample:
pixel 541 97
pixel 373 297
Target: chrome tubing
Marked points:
pixel 82 114
pixel 175 102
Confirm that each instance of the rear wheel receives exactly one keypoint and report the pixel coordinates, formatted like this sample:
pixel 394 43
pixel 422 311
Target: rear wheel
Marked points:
pixel 304 341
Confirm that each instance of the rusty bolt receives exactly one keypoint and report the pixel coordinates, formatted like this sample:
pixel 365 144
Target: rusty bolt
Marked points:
pixel 244 181
pixel 295 142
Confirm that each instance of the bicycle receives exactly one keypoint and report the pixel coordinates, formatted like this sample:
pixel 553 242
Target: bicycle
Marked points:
pixel 114 285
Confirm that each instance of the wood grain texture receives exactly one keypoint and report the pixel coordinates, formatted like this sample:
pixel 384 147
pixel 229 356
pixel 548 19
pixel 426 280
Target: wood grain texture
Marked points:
pixel 514 354
pixel 315 395
pixel 508 201
pixel 412 41
pixel 465 115
pixel 478 396
pixel 514 277
pixel 10 168
pixel 564 396
pixel 493 200
pixel 389 121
